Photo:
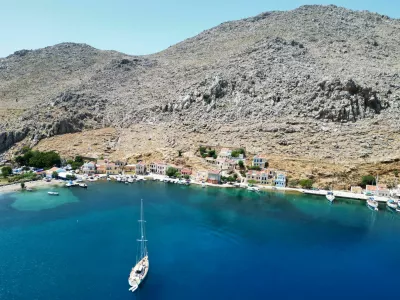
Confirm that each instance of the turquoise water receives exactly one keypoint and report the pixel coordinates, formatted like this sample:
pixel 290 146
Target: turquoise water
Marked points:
pixel 203 244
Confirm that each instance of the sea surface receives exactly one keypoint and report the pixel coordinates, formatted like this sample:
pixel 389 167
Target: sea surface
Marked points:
pixel 209 243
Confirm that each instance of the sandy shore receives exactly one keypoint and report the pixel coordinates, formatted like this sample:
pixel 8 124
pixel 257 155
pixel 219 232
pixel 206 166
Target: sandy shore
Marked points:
pixel 30 184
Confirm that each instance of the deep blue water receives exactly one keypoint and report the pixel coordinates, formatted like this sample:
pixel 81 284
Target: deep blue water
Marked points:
pixel 203 244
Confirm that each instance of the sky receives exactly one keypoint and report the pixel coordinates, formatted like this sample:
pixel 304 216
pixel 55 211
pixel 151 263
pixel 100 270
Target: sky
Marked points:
pixel 136 27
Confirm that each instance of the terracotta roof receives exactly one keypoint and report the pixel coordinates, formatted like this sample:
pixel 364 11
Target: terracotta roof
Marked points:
pixel 216 172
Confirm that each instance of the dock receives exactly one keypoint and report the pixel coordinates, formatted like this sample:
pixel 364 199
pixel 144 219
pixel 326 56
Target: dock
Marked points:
pixel 347 195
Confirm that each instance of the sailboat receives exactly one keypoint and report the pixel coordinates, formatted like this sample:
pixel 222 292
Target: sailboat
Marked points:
pixel 140 270
pixel 330 196
pixel 371 202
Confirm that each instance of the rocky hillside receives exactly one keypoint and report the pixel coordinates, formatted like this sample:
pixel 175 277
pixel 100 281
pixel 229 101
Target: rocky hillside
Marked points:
pixel 319 82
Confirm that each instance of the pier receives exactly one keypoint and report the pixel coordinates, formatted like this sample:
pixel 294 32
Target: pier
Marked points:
pixel 347 195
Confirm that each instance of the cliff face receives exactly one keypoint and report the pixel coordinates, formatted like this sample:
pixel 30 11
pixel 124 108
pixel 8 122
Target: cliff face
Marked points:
pixel 319 81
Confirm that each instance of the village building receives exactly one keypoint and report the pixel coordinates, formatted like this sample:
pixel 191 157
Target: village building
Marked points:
pixel 356 189
pixel 259 161
pixel 201 175
pixel 141 168
pixel 225 153
pixel 381 190
pixel 266 176
pixel 225 164
pixel 214 176
pixel 158 168
pixel 280 180
pixel 89 168
pixel 105 166
pixel 186 171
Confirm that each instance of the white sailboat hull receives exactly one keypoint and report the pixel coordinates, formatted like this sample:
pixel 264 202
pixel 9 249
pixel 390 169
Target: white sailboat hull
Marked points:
pixel 138 273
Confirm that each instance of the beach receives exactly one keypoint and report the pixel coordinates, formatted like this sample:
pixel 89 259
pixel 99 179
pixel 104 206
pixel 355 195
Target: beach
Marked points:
pixel 15 187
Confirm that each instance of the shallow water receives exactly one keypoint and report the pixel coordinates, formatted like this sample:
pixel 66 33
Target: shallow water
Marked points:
pixel 203 244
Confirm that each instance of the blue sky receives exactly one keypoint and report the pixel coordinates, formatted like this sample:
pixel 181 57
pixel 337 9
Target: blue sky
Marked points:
pixel 136 27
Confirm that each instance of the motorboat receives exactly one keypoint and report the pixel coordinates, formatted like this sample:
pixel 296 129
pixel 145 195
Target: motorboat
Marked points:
pixel 83 185
pixel 392 204
pixel 53 193
pixel 372 204
pixel 330 196
pixel 253 189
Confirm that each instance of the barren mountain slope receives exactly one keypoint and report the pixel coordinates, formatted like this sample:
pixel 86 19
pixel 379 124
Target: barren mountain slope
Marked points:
pixel 320 82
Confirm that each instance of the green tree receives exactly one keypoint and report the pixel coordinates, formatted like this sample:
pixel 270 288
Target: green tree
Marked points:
pixel 237 152
pixel 22 185
pixel 396 173
pixel 79 159
pixel 5 171
pixel 212 153
pixel 251 181
pixel 70 177
pixel 257 168
pixel 44 159
pixel 266 164
pixel 54 174
pixel 306 183
pixel 367 180
pixel 202 150
pixel 171 172
pixel 186 176
pixel 241 164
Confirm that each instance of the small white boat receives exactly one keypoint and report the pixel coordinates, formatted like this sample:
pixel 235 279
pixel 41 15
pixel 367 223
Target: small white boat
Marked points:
pixel 118 179
pixel 372 204
pixel 130 179
pixel 253 189
pixel 108 178
pixel 203 185
pixel 392 204
pixel 28 189
pixel 83 185
pixel 140 270
pixel 53 193
pixel 330 196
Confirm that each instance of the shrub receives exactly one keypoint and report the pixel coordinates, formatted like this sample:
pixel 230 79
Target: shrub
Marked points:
pixel 70 177
pixel 5 171
pixel 22 185
pixel 171 172
pixel 396 173
pixel 367 180
pixel 54 174
pixel 241 164
pixel 237 152
pixel 257 168
pixel 186 176
pixel 306 183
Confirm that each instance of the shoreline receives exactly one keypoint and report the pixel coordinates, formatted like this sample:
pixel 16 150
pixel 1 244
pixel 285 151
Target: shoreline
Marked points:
pixel 39 184
pixel 36 184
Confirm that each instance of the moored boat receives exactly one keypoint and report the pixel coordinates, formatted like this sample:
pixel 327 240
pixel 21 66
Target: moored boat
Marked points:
pixel 392 204
pixel 330 196
pixel 140 270
pixel 372 204
pixel 83 185
pixel 53 193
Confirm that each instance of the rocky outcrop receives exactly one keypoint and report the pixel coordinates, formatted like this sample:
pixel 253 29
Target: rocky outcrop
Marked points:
pixel 268 82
